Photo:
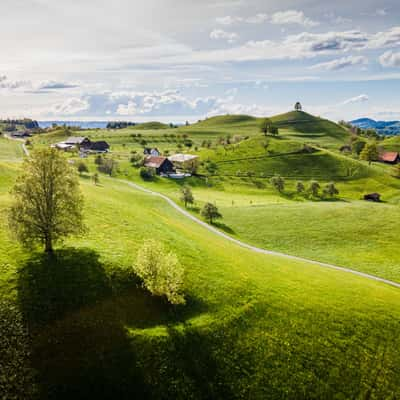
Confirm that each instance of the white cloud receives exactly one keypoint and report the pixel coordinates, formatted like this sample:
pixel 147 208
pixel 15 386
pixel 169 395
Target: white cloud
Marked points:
pixel 257 19
pixel 228 20
pixel 219 34
pixel 385 39
pixel 292 17
pixel 390 59
pixel 54 85
pixel 70 106
pixel 7 84
pixel 341 63
pixel 357 99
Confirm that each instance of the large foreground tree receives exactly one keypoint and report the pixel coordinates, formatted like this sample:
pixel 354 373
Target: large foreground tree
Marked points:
pixel 47 203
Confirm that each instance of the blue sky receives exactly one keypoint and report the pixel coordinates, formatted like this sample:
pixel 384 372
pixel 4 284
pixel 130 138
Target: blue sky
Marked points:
pixel 177 60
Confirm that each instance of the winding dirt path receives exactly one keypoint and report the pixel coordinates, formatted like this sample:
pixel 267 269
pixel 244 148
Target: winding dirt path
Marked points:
pixel 249 246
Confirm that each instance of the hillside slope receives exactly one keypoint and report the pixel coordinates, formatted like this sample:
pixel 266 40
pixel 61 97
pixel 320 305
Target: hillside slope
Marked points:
pixel 249 323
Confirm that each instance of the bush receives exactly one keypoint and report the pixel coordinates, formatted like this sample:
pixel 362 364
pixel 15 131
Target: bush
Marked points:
pixel 161 272
pixel 147 173
pixel 108 166
pixel 330 190
pixel 314 188
pixel 278 183
pixel 82 167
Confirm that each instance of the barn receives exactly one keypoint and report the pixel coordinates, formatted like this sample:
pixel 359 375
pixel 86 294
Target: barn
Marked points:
pixel 161 164
pixel 389 157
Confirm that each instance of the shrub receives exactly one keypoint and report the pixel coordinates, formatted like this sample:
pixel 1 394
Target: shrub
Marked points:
pixel 330 190
pixel 161 272
pixel 82 167
pixel 147 173
pixel 278 183
pixel 314 187
pixel 300 188
pixel 108 166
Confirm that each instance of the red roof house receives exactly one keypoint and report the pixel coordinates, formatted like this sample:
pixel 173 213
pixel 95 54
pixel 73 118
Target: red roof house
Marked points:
pixel 390 157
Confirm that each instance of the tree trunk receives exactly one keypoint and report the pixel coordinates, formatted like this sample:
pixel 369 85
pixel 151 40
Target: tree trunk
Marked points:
pixel 48 245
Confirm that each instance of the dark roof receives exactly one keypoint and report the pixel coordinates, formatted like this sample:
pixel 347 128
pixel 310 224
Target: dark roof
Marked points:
pixel 76 140
pixel 100 145
pixel 389 156
pixel 154 161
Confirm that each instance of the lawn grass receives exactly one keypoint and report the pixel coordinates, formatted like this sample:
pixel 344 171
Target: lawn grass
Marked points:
pixel 254 325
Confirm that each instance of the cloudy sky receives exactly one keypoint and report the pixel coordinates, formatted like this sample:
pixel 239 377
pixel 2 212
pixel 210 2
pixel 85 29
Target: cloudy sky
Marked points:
pixel 174 60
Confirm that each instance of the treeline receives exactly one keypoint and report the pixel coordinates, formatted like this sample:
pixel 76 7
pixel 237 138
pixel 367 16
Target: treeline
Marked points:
pixel 26 122
pixel 367 133
pixel 119 124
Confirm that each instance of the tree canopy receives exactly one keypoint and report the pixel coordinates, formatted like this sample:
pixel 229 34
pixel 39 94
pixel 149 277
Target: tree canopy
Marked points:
pixel 47 203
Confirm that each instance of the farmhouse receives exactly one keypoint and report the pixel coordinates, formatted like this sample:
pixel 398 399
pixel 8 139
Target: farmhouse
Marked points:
pixel 187 162
pixel 389 157
pixel 151 152
pixel 161 164
pixel 99 147
pixel 78 141
pixel 23 134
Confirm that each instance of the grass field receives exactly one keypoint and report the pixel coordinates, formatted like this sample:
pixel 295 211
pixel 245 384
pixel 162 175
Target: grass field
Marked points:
pixel 254 326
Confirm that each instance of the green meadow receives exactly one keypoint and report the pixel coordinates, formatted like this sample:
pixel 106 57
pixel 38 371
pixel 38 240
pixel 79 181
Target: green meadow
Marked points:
pixel 254 326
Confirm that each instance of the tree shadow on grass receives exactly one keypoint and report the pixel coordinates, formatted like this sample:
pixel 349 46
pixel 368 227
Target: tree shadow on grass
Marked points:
pixel 223 227
pixel 77 314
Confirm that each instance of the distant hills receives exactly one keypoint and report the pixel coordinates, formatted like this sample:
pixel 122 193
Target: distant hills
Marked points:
pixel 382 127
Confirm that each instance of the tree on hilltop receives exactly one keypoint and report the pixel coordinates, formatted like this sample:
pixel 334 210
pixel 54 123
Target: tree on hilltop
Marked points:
pixel 47 204
pixel 298 106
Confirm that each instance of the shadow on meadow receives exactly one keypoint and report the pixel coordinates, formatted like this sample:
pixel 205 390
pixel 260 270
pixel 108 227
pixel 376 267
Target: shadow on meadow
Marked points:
pixel 77 314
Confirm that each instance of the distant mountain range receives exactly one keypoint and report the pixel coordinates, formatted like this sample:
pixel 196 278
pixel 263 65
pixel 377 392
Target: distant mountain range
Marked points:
pixel 382 127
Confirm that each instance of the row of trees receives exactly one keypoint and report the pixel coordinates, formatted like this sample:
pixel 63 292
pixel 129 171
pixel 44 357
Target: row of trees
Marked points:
pixel 330 190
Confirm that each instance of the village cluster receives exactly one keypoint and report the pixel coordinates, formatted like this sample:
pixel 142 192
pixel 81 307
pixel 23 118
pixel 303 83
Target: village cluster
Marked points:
pixel 175 166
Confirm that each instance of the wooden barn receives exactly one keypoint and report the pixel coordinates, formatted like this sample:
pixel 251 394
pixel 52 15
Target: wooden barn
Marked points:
pixel 389 157
pixel 161 164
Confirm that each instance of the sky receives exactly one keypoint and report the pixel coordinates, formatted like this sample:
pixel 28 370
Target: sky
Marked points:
pixel 178 60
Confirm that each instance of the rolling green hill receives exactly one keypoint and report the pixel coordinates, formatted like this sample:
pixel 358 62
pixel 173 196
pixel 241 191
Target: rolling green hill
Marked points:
pixel 251 320
pixel 150 125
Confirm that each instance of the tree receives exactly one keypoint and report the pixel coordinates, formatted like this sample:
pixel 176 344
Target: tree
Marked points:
pixel 265 125
pixel 108 166
pixel 300 188
pixel 278 183
pixel 147 173
pixel 358 146
pixel 210 212
pixel 95 178
pixel 330 190
pixel 82 167
pixel 370 153
pixel 47 202
pixel 161 272
pixel 187 195
pixel 314 188
pixel 298 106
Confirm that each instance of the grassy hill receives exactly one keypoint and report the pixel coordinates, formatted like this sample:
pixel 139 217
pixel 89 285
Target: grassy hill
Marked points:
pixel 229 120
pixel 150 125
pixel 251 321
